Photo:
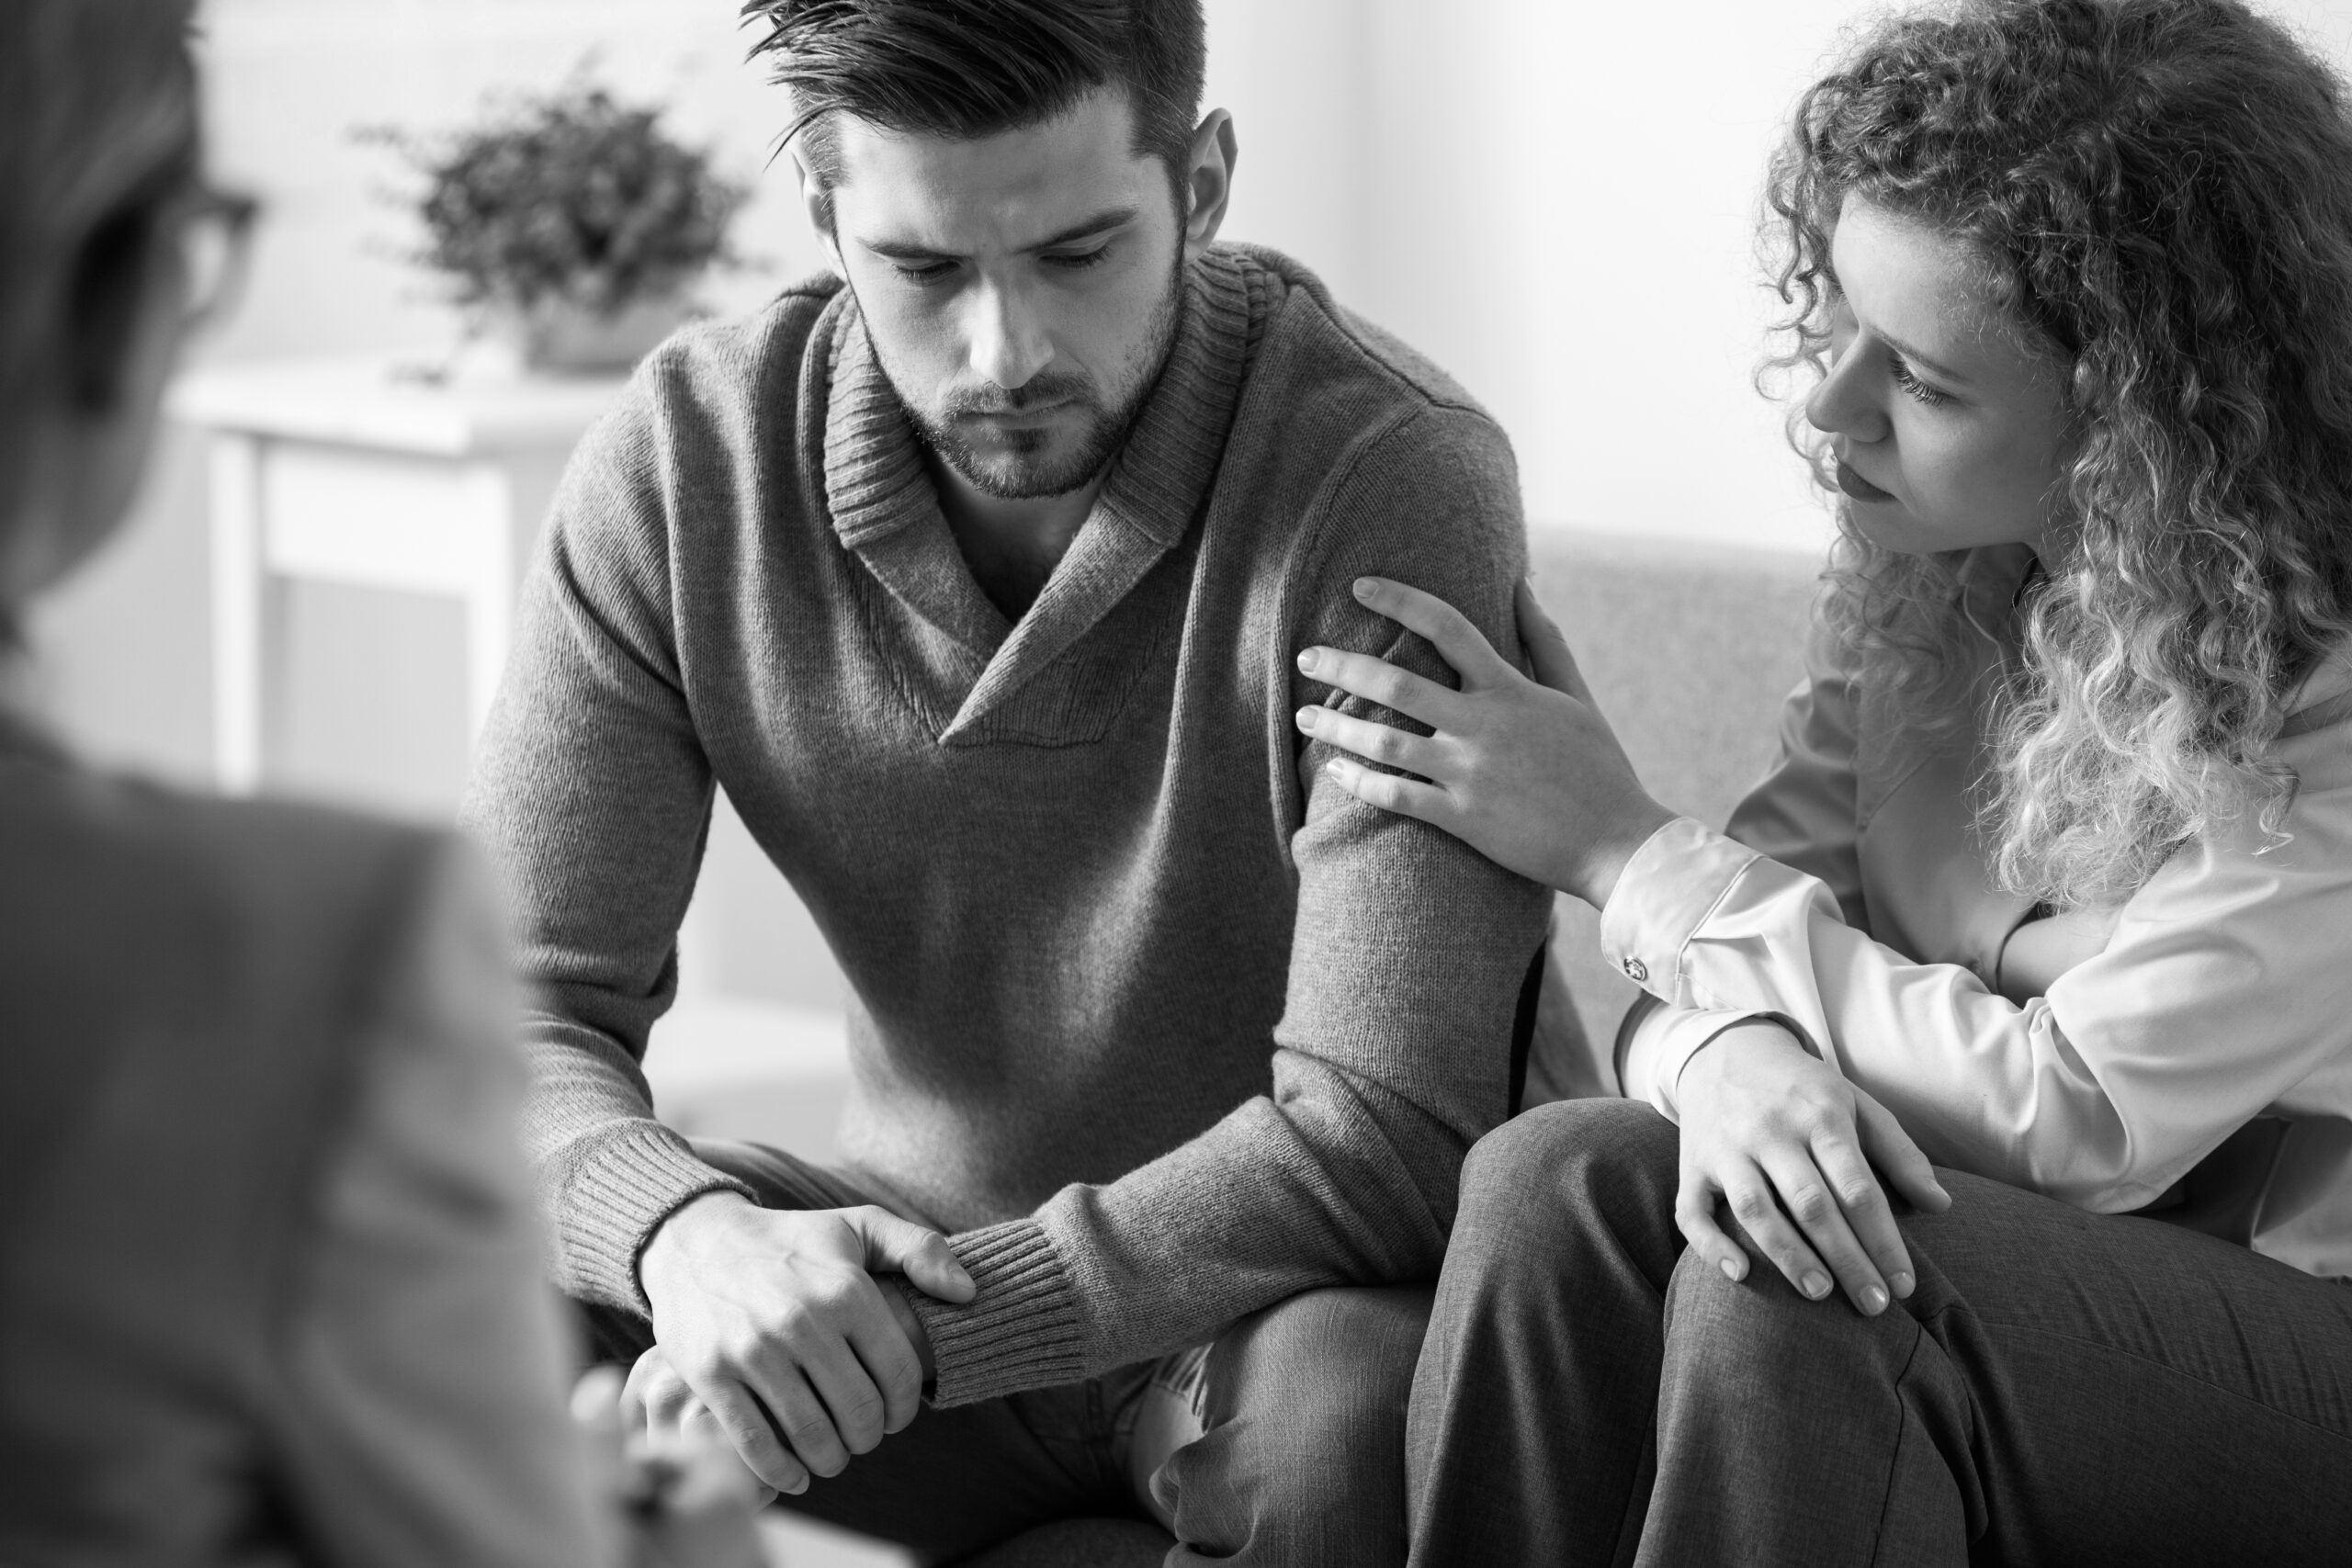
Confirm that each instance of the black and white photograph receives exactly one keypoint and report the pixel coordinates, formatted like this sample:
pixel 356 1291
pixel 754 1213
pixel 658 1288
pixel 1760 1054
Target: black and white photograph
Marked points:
pixel 1122 784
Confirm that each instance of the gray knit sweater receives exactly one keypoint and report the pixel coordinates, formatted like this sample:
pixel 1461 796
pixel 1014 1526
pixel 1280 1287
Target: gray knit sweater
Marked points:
pixel 1159 1025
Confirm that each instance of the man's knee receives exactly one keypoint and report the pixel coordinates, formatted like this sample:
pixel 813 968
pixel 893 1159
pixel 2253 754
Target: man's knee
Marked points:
pixel 1335 1365
pixel 1304 1456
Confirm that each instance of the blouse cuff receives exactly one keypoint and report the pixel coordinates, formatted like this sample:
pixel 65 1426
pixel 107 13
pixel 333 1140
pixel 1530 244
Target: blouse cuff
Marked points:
pixel 1663 1044
pixel 1665 894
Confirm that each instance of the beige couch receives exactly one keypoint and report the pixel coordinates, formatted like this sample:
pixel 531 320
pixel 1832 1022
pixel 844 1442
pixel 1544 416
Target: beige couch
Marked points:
pixel 1690 650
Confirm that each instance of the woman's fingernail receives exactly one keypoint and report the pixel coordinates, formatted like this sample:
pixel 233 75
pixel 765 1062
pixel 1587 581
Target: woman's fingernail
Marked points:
pixel 1731 1271
pixel 1817 1285
pixel 1306 719
pixel 1902 1283
pixel 1308 658
pixel 1366 588
pixel 1874 1301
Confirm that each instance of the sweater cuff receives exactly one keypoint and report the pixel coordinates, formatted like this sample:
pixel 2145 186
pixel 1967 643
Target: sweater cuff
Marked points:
pixel 1662 897
pixel 1019 1331
pixel 636 1177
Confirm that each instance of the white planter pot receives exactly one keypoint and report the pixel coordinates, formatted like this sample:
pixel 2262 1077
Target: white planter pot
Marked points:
pixel 561 336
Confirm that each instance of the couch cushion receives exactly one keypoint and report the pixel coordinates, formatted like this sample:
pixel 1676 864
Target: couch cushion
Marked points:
pixel 1690 649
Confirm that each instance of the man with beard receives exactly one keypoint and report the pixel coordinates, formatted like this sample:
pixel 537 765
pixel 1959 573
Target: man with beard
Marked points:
pixel 976 575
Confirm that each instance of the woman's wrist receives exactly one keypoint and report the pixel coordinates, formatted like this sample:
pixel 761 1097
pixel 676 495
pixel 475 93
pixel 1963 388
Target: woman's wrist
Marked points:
pixel 1596 878
pixel 1703 1070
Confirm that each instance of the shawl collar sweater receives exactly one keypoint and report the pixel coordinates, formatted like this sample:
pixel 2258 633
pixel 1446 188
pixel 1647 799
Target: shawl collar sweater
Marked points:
pixel 1157 1024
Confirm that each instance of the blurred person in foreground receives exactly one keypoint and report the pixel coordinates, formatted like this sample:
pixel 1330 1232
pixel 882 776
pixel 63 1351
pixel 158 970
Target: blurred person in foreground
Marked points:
pixel 972 572
pixel 268 1270
pixel 2051 884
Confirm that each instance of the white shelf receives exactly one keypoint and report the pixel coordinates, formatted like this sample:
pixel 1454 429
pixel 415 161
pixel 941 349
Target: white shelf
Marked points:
pixel 377 403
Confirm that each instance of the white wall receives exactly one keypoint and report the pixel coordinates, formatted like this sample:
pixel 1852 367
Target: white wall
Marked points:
pixel 1558 203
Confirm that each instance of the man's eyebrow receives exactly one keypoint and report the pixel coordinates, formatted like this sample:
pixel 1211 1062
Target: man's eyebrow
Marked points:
pixel 899 250
pixel 1108 219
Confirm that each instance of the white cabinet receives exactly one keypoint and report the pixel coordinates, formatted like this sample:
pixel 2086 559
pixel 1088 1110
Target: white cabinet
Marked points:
pixel 346 471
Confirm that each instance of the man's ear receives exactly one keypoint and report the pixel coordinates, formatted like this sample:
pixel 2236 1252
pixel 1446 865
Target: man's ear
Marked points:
pixel 1209 181
pixel 817 200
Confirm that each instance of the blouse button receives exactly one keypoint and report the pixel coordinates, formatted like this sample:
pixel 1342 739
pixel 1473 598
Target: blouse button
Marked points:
pixel 1637 972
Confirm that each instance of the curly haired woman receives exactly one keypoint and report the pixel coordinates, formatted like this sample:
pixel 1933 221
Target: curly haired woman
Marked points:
pixel 2051 885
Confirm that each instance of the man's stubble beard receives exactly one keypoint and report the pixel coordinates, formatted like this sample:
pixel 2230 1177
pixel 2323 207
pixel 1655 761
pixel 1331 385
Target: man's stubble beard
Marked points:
pixel 1021 475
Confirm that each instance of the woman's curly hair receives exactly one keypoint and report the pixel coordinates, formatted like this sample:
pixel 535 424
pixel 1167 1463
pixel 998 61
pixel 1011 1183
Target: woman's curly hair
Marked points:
pixel 2160 191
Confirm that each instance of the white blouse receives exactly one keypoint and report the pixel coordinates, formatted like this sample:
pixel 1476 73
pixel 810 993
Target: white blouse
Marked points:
pixel 1851 899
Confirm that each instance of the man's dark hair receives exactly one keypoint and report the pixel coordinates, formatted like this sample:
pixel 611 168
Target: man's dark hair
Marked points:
pixel 966 68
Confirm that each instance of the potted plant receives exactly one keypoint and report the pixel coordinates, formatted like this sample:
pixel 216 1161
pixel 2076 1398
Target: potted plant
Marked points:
pixel 569 225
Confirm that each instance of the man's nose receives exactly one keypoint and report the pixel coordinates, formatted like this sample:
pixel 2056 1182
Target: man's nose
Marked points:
pixel 1844 404
pixel 1009 344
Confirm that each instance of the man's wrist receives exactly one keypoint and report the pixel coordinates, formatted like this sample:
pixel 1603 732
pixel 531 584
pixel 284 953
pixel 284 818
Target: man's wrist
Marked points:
pixel 899 1297
pixel 667 1248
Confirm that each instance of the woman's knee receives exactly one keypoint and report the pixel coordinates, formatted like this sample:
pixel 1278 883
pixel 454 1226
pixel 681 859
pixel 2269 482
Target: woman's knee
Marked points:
pixel 1565 1143
pixel 1560 1167
pixel 1759 1333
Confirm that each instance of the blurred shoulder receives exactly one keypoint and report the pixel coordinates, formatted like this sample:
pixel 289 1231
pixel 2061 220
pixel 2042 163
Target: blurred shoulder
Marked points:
pixel 125 896
pixel 220 1043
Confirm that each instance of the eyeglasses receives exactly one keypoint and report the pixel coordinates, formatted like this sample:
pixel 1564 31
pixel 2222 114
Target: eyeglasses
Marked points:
pixel 213 230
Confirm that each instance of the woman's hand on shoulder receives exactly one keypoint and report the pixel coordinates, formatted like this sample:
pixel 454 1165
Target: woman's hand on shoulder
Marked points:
pixel 1772 1131
pixel 1526 771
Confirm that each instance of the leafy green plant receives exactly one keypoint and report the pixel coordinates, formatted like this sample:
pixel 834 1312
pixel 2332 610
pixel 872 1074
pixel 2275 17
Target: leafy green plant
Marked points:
pixel 573 196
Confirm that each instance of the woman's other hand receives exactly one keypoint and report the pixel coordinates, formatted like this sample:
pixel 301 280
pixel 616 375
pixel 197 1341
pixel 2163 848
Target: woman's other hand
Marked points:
pixel 679 1502
pixel 1789 1145
pixel 1525 771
